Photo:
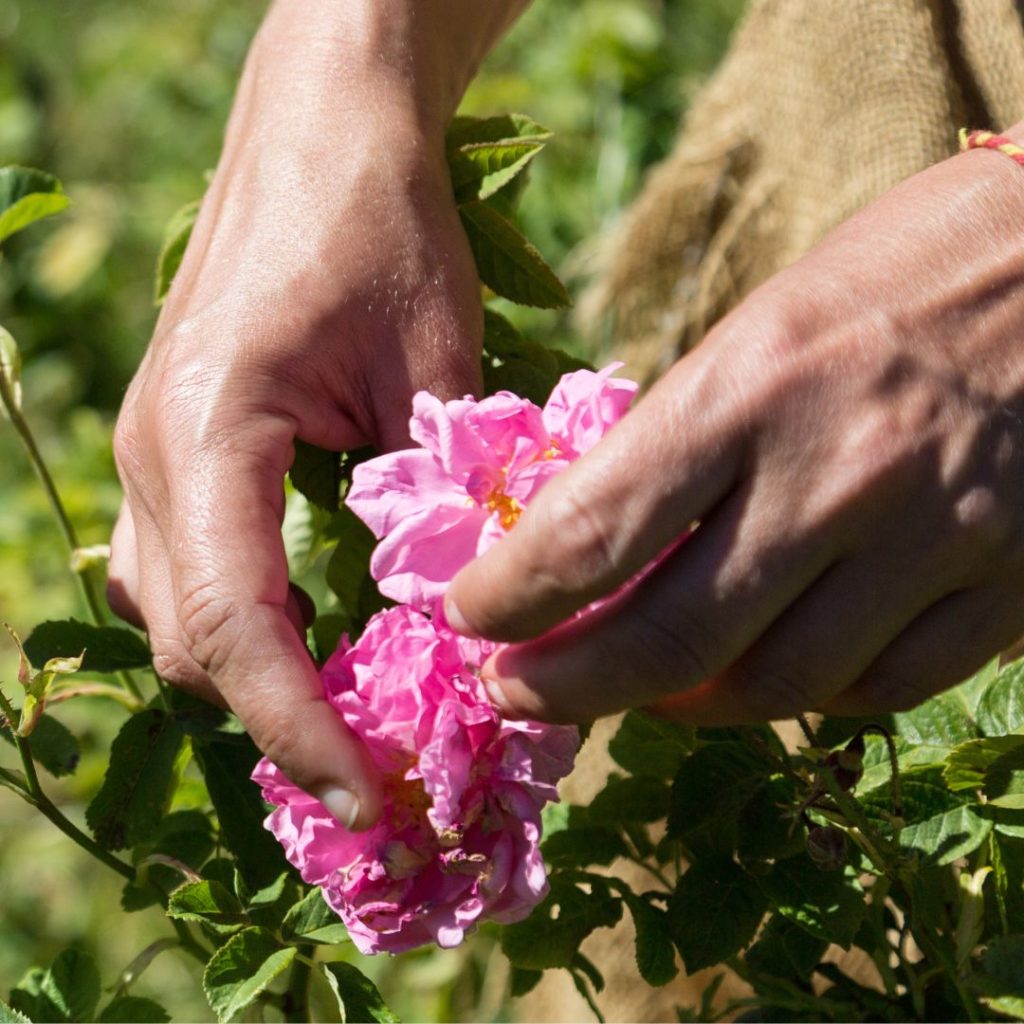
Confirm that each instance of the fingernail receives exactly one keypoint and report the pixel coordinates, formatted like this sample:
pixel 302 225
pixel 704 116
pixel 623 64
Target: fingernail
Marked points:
pixel 496 693
pixel 457 621
pixel 342 804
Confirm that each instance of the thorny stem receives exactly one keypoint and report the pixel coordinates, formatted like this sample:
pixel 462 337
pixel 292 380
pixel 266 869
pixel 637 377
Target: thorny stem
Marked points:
pixel 35 457
pixel 805 728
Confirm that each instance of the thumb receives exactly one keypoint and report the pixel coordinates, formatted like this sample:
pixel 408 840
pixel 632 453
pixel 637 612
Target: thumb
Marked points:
pixel 230 586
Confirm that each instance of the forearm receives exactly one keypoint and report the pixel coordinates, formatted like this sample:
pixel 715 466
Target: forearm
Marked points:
pixel 419 54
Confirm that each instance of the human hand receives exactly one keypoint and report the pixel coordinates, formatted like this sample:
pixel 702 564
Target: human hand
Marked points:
pixel 851 441
pixel 327 280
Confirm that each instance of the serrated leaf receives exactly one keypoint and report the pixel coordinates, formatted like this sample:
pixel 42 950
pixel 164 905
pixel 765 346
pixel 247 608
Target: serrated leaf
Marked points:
pixel 1001 708
pixel 730 770
pixel 967 765
pixel 785 950
pixel 72 985
pixel 8 1015
pixel 655 953
pixel 133 1010
pixel 313 919
pixel 645 745
pixel 941 721
pixel 507 263
pixel 226 767
pixel 970 691
pixel 358 998
pixel 205 901
pixel 1002 980
pixel 348 571
pixel 827 904
pixel 714 912
pixel 468 131
pixel 551 935
pixel 176 237
pixel 242 969
pixel 877 767
pixel 107 648
pixel 583 846
pixel 316 474
pixel 10 370
pixel 27 195
pixel 136 789
pixel 480 169
pixel 28 998
pixel 764 825
pixel 52 745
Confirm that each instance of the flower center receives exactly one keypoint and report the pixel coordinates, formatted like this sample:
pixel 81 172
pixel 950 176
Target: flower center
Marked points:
pixel 507 509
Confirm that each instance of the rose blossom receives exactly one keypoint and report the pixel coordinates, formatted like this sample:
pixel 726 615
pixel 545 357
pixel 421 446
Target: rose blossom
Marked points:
pixel 458 839
pixel 436 507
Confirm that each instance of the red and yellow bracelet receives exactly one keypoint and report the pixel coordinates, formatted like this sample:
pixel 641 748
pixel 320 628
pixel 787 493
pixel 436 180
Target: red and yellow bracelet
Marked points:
pixel 989 140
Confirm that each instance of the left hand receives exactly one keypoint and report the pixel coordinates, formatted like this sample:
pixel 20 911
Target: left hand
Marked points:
pixel 851 441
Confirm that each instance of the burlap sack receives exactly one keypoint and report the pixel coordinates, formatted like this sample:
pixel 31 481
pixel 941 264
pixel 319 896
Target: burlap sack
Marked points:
pixel 819 106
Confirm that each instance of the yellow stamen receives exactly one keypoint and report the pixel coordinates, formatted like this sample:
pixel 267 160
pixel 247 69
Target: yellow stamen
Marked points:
pixel 508 509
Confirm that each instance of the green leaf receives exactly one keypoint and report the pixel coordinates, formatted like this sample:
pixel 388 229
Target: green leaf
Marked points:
pixel 714 912
pixel 176 236
pixel 633 798
pixel 107 648
pixel 226 767
pixel 584 845
pixel 358 998
pixel 183 835
pixel 507 263
pixel 551 935
pixel 521 378
pixel 133 1010
pixel 242 969
pixel 348 570
pixel 53 746
pixel 941 721
pixel 27 195
pixel 480 169
pixel 328 630
pixel 472 131
pixel 655 953
pixel 827 904
pixel 523 980
pixel 714 783
pixel 645 745
pixel 970 691
pixel 969 764
pixel 877 768
pixel 129 807
pixel 941 826
pixel 1001 708
pixel 28 998
pixel 205 901
pixel 72 985
pixel 764 826
pixel 8 1015
pixel 1003 966
pixel 10 370
pixel 786 950
pixel 313 919
pixel 316 474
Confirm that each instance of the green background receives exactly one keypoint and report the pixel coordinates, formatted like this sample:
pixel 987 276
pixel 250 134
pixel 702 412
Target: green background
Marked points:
pixel 125 102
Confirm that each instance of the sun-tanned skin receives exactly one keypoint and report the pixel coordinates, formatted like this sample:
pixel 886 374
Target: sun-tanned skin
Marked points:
pixel 850 438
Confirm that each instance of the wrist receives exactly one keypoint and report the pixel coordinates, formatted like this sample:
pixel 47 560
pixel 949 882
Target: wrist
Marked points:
pixel 404 54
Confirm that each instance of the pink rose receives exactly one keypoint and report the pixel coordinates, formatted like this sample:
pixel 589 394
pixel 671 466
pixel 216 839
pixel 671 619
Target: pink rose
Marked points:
pixel 459 836
pixel 437 507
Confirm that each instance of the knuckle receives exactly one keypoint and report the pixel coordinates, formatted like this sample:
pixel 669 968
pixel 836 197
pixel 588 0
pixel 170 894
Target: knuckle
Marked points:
pixel 985 520
pixel 587 556
pixel 174 664
pixel 207 617
pixel 773 691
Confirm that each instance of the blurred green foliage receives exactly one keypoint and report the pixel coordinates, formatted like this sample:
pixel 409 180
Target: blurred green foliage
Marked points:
pixel 126 103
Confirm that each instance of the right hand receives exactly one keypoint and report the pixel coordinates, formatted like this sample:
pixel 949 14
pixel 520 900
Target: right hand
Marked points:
pixel 327 280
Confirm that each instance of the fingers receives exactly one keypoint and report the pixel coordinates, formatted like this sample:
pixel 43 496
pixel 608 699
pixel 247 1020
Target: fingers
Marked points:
pixel 608 515
pixel 687 621
pixel 222 615
pixel 941 647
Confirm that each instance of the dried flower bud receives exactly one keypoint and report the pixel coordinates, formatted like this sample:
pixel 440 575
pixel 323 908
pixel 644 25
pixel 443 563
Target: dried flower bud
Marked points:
pixel 826 846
